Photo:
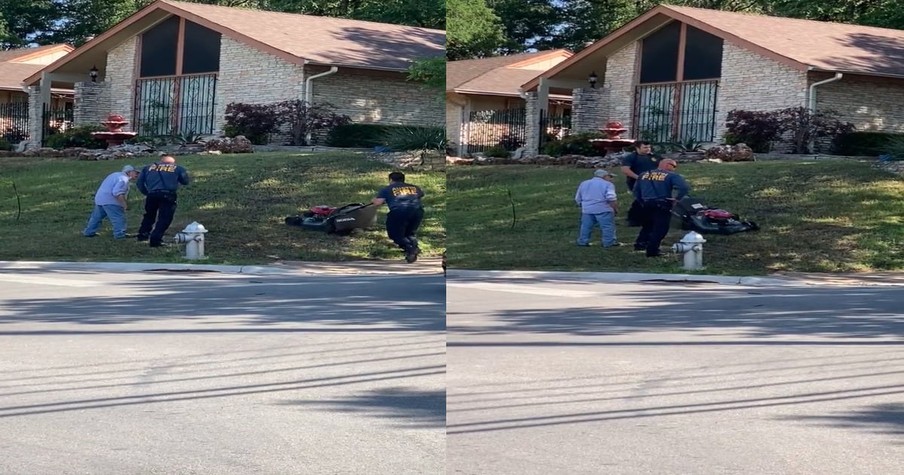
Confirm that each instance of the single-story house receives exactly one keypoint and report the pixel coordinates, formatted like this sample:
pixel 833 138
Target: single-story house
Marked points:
pixel 16 65
pixel 483 101
pixel 173 67
pixel 678 71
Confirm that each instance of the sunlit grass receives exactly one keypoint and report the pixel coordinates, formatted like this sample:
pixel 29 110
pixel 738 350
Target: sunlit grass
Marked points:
pixel 241 199
pixel 822 216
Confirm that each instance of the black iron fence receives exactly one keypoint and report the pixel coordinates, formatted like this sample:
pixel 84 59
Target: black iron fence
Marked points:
pixel 553 127
pixel 55 121
pixel 491 128
pixel 676 111
pixel 175 105
pixel 14 121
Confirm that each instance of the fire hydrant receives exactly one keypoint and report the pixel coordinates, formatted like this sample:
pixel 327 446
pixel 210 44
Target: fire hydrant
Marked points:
pixel 193 238
pixel 692 247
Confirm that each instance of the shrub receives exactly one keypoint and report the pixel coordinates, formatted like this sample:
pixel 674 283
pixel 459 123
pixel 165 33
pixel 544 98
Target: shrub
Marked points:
pixel 863 143
pixel 5 145
pixel 497 151
pixel 510 141
pixel 303 118
pixel 255 121
pixel 358 135
pixel 416 138
pixel 757 129
pixel 77 137
pixel 577 144
pixel 894 148
pixel 14 135
pixel 804 127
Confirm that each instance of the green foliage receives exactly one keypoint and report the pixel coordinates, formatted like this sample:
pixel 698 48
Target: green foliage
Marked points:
pixel 77 137
pixel 5 145
pixel 474 31
pixel 497 151
pixel 576 144
pixel 863 143
pixel 431 72
pixel 416 138
pixel 895 148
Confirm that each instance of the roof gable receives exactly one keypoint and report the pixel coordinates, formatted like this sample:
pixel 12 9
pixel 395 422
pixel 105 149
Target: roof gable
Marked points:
pixel 295 38
pixel 801 44
pixel 500 74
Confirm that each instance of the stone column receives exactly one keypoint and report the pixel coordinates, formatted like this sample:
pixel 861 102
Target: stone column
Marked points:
pixel 35 117
pixel 589 109
pixel 532 118
pixel 92 103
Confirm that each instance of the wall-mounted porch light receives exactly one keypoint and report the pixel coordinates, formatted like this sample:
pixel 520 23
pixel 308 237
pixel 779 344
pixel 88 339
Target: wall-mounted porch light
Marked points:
pixel 592 79
pixel 93 73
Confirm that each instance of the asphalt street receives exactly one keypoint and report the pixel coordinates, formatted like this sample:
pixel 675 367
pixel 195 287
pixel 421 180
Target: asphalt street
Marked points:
pixel 558 376
pixel 211 373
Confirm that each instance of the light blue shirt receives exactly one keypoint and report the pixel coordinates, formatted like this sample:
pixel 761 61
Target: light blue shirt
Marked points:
pixel 116 184
pixel 594 194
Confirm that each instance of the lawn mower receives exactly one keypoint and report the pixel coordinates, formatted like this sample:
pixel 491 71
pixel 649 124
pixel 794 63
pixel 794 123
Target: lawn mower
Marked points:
pixel 342 220
pixel 696 216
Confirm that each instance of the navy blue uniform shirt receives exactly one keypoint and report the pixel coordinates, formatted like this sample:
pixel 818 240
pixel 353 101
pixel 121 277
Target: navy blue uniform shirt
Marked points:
pixel 658 185
pixel 639 164
pixel 161 178
pixel 401 195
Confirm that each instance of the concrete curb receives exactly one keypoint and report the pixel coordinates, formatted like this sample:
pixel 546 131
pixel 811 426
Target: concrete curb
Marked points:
pixel 311 268
pixel 629 277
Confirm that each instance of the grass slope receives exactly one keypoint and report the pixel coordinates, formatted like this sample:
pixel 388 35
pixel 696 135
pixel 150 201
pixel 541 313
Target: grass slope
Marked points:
pixel 241 199
pixel 816 216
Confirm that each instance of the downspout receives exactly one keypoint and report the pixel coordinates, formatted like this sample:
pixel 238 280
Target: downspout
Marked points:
pixel 812 100
pixel 309 93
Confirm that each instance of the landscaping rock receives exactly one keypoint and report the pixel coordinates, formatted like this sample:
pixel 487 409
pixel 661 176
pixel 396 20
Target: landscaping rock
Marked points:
pixel 237 144
pixel 731 153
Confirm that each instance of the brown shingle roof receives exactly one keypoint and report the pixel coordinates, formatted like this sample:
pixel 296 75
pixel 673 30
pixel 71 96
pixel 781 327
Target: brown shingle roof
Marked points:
pixel 327 40
pixel 822 45
pixel 496 75
pixel 12 73
pixel 12 54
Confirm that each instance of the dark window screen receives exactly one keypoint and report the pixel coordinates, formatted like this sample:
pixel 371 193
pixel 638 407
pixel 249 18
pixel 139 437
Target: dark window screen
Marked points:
pixel 158 49
pixel 659 54
pixel 702 55
pixel 201 52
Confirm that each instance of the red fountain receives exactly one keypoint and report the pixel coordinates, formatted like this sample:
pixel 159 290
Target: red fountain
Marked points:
pixel 614 143
pixel 114 134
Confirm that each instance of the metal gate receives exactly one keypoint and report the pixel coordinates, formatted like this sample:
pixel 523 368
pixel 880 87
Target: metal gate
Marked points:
pixel 491 128
pixel 175 105
pixel 553 127
pixel 681 111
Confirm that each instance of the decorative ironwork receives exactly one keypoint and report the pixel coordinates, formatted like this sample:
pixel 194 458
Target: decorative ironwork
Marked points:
pixel 490 128
pixel 676 111
pixel 553 127
pixel 14 122
pixel 175 105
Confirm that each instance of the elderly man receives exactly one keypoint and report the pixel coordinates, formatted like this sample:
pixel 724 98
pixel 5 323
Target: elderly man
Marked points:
pixel 597 200
pixel 111 201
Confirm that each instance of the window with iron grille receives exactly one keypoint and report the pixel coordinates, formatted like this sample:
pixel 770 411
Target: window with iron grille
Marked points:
pixel 173 97
pixel 676 97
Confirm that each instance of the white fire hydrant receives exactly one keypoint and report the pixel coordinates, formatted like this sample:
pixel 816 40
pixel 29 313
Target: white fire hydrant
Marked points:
pixel 193 238
pixel 692 247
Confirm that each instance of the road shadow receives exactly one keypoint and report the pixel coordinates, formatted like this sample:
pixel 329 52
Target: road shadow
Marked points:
pixel 407 407
pixel 255 303
pixel 878 418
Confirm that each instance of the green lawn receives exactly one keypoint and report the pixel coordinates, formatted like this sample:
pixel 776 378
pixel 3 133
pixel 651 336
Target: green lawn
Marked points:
pixel 241 199
pixel 817 216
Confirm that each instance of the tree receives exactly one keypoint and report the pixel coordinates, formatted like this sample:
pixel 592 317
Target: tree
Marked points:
pixel 527 23
pixel 473 30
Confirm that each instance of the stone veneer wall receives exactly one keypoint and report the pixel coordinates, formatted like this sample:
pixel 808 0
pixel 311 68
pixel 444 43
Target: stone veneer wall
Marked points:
pixel 532 134
pixel 620 85
pixel 872 104
pixel 121 77
pixel 753 82
pixel 589 109
pixel 92 103
pixel 35 117
pixel 379 97
pixel 251 76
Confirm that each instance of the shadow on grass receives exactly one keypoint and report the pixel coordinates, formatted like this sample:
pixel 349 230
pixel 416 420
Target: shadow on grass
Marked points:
pixel 408 407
